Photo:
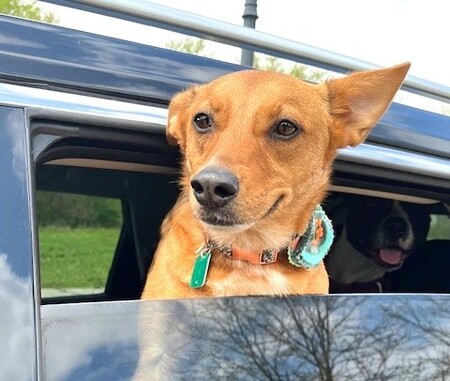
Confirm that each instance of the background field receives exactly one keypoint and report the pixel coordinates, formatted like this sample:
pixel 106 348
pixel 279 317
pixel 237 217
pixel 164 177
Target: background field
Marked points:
pixel 439 228
pixel 78 236
pixel 76 257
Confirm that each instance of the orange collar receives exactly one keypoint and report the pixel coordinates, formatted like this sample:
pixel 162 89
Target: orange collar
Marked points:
pixel 305 251
pixel 268 256
pixel 263 257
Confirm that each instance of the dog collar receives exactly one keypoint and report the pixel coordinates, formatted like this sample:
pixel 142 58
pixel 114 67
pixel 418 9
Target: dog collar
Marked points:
pixel 305 251
pixel 263 257
pixel 308 250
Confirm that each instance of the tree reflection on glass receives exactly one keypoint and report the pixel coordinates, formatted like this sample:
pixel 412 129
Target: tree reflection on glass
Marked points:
pixel 428 322
pixel 301 338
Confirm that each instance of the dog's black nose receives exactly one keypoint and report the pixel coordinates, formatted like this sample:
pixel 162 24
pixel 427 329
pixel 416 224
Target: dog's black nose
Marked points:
pixel 215 187
pixel 396 226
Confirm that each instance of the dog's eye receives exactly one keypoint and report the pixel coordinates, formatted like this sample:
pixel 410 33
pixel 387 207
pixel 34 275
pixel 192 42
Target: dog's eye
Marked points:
pixel 285 130
pixel 202 122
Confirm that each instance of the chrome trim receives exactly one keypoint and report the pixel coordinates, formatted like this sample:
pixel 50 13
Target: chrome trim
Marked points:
pixel 382 194
pixel 145 12
pixel 150 118
pixel 115 165
pixel 397 159
pixel 31 180
pixel 135 115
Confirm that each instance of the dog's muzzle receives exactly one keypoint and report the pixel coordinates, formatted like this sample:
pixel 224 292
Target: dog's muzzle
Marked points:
pixel 214 188
pixel 393 246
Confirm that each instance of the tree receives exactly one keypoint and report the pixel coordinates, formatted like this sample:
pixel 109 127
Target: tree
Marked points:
pixel 188 45
pixel 299 71
pixel 74 210
pixel 26 9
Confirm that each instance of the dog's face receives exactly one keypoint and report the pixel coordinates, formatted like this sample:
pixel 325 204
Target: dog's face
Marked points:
pixel 258 147
pixel 258 152
pixel 385 231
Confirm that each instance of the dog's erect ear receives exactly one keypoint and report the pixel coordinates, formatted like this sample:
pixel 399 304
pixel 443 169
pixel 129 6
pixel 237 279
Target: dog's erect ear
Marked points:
pixel 360 99
pixel 178 117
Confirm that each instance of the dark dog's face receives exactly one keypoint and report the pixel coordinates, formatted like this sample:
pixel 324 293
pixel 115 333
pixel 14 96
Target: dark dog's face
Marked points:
pixel 385 231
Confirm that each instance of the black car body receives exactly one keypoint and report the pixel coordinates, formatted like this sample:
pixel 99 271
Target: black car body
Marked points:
pixel 82 113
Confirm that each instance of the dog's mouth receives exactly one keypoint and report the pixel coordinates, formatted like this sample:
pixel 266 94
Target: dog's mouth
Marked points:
pixel 392 256
pixel 220 219
pixel 226 218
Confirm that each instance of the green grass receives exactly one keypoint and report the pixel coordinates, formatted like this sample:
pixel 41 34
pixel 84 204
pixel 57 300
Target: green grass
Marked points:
pixel 439 228
pixel 76 257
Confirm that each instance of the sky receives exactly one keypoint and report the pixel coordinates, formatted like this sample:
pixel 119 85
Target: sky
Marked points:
pixel 383 32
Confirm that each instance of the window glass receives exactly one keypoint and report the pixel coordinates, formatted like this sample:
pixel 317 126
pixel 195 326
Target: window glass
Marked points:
pixel 78 235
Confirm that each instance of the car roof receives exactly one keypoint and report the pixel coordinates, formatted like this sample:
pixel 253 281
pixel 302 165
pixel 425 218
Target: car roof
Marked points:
pixel 53 57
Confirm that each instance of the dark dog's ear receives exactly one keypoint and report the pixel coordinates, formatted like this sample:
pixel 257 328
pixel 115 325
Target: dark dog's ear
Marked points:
pixel 178 118
pixel 359 100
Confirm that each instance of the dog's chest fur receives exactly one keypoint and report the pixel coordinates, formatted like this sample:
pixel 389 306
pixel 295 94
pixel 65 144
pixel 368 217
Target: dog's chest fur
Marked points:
pixel 263 280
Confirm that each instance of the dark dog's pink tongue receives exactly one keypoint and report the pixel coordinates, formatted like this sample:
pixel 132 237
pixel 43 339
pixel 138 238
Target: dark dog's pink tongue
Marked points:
pixel 391 256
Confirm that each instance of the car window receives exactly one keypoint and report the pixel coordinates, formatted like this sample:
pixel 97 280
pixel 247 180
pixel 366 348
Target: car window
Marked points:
pixel 99 207
pixel 439 227
pixel 395 337
pixel 78 235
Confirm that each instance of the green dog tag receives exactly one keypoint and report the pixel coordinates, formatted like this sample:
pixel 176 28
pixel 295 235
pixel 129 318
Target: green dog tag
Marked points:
pixel 200 270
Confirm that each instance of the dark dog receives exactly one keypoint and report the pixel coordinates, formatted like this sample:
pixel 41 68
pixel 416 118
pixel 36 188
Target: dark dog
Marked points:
pixel 377 237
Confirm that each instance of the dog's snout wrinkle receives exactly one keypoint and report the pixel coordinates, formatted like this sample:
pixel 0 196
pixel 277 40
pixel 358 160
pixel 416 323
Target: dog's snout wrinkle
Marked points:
pixel 215 187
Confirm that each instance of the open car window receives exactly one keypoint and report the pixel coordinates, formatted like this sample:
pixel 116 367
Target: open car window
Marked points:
pixel 99 207
pixel 100 204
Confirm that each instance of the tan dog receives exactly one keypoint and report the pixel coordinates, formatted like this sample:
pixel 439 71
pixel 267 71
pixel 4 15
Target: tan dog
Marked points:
pixel 258 149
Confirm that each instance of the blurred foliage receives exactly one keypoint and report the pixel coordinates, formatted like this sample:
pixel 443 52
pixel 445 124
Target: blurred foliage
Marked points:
pixel 27 10
pixel 299 71
pixel 198 46
pixel 439 227
pixel 72 210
